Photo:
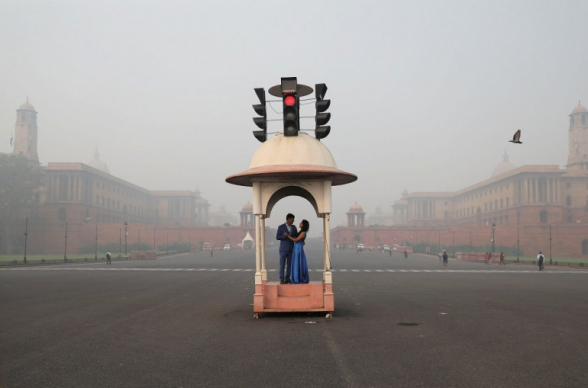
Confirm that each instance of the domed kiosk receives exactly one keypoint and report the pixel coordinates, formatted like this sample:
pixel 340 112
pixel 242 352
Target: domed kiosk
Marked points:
pixel 286 166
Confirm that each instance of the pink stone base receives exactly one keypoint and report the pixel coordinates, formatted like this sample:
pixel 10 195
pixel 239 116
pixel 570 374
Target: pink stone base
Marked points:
pixel 276 297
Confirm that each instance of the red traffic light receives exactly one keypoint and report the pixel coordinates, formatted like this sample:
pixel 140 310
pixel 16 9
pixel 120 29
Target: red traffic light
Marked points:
pixel 290 100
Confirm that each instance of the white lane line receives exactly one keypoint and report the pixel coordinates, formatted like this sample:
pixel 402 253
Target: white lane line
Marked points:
pixel 274 270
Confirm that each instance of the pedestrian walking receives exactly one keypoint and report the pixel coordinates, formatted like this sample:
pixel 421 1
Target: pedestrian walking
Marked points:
pixel 405 254
pixel 445 259
pixel 108 257
pixel 390 250
pixel 540 260
pixel 502 259
pixel 489 258
pixel 486 258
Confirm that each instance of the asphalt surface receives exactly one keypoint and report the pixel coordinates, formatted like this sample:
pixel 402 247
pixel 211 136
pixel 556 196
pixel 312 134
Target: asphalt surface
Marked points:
pixel 186 321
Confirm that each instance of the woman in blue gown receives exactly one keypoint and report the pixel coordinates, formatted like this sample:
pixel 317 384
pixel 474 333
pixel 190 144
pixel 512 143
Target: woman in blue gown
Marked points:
pixel 299 272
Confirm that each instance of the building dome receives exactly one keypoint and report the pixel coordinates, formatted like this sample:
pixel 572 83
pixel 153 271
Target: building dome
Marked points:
pixel 247 208
pixel 299 157
pixel 579 109
pixel 98 164
pixel 503 167
pixel 355 208
pixel 27 106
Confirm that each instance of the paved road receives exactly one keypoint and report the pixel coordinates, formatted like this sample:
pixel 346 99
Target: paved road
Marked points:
pixel 186 321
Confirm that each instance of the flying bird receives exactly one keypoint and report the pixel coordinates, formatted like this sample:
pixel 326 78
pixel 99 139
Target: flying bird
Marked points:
pixel 516 137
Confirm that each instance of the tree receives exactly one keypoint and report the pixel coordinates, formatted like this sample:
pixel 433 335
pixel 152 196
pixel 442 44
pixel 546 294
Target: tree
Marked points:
pixel 20 179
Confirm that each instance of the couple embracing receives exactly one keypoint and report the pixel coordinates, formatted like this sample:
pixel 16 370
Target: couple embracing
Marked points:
pixel 292 257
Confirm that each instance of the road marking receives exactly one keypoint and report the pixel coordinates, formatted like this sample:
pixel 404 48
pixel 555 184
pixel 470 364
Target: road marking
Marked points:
pixel 274 270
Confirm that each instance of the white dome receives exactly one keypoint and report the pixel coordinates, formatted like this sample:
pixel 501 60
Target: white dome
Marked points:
pixel 98 164
pixel 292 157
pixel 503 167
pixel 292 150
pixel 27 106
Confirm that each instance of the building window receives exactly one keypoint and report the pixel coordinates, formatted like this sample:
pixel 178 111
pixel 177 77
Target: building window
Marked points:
pixel 543 216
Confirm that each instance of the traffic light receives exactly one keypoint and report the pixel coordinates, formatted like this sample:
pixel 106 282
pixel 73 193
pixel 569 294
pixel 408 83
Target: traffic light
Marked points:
pixel 321 118
pixel 261 122
pixel 290 104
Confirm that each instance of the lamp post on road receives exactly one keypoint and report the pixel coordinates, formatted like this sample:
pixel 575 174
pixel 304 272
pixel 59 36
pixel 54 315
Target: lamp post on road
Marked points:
pixel 470 238
pixel 493 227
pixel 26 234
pixel 96 245
pixel 550 259
pixel 517 244
pixel 453 243
pixel 126 235
pixel 65 250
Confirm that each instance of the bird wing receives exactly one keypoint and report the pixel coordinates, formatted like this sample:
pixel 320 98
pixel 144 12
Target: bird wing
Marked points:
pixel 517 135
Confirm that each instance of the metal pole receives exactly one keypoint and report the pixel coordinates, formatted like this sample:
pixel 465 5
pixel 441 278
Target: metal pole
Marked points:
pixel 167 241
pixel 154 248
pixel 96 245
pixel 440 241
pixel 517 244
pixel 26 234
pixel 119 242
pixel 126 235
pixel 453 244
pixel 65 250
pixel 550 259
pixel 493 226
pixel 139 247
pixel 470 238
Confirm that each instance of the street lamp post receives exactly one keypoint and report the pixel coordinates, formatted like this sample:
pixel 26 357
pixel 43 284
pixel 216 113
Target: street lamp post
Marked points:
pixel 517 244
pixel 453 243
pixel 26 234
pixel 550 259
pixel 470 238
pixel 493 227
pixel 119 242
pixel 126 235
pixel 96 245
pixel 65 250
pixel 167 241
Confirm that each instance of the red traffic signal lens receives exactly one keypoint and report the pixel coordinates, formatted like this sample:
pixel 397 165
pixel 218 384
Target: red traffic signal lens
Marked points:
pixel 290 100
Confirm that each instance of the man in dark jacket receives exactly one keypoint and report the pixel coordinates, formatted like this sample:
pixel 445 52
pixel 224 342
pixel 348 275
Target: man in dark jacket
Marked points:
pixel 286 246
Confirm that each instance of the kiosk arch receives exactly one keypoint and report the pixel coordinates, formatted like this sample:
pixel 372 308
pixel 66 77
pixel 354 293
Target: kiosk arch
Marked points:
pixel 290 191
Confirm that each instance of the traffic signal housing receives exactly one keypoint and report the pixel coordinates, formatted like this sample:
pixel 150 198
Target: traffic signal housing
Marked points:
pixel 261 122
pixel 291 106
pixel 321 117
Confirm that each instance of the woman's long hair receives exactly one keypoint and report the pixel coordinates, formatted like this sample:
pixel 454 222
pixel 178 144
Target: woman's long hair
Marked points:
pixel 305 226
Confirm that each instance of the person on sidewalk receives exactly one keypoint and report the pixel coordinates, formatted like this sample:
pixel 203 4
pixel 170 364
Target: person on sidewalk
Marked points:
pixel 108 257
pixel 502 259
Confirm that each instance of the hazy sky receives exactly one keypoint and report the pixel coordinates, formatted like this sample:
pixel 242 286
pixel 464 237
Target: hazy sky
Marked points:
pixel 424 94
